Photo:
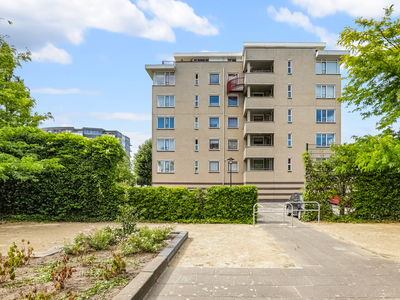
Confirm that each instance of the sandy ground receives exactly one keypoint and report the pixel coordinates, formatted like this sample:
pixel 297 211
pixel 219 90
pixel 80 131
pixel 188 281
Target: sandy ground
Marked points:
pixel 222 245
pixel 382 239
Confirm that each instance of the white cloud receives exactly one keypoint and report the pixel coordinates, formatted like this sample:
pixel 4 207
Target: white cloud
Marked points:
pixel 136 138
pixel 51 53
pixel 63 92
pixel 120 116
pixel 355 8
pixel 41 24
pixel 300 20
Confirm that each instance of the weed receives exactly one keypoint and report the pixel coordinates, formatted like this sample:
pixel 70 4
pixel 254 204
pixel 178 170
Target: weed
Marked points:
pixel 38 295
pixel 59 277
pixel 15 258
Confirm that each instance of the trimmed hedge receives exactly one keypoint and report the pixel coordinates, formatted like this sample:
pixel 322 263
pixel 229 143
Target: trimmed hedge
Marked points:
pixel 217 205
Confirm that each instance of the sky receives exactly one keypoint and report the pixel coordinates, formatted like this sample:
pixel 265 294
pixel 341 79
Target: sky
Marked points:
pixel 88 56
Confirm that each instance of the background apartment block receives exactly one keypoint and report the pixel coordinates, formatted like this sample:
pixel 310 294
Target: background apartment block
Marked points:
pixel 260 107
pixel 92 132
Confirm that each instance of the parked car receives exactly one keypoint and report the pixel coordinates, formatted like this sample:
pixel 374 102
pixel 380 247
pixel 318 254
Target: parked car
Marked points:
pixel 296 200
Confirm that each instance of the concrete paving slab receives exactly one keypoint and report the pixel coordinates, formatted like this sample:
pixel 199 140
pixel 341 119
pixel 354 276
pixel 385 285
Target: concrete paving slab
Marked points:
pixel 192 290
pixel 253 280
pixel 277 291
pixel 318 291
pixel 234 291
pixel 290 281
pixel 215 280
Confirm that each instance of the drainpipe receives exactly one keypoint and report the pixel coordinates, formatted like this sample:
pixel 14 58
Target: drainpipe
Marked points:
pixel 223 127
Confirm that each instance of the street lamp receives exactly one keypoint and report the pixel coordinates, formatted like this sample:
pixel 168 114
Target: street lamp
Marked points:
pixel 230 159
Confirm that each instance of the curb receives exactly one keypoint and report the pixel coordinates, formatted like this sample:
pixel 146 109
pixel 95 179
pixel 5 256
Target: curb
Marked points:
pixel 48 253
pixel 144 281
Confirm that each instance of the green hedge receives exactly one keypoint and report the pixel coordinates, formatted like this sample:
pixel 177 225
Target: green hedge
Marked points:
pixel 218 204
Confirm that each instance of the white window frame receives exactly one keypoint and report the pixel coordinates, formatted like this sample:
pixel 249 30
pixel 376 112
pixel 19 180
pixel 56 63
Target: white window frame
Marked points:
pixel 209 144
pixel 289 66
pixel 326 115
pixel 290 163
pixel 209 165
pixel 166 76
pixel 237 144
pixel 169 100
pixel 196 78
pixel 169 143
pixel 289 140
pixel 169 165
pixel 196 166
pixel 237 122
pixel 196 122
pixel 326 139
pixel 214 73
pixel 196 143
pixel 209 100
pixel 196 100
pixel 209 119
pixel 290 115
pixel 237 166
pixel 165 122
pixel 289 91
pixel 326 61
pixel 326 91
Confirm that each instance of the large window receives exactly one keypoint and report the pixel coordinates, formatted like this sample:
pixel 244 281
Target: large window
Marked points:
pixel 166 101
pixel 325 91
pixel 165 144
pixel 289 91
pixel 233 144
pixel 165 166
pixel 164 78
pixel 214 78
pixel 325 139
pixel 325 115
pixel 214 144
pixel 235 166
pixel 232 101
pixel 324 66
pixel 165 123
pixel 213 166
pixel 233 122
pixel 214 122
pixel 214 100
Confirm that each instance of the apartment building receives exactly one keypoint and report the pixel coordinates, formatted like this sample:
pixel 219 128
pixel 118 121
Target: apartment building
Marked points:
pixel 93 132
pixel 244 117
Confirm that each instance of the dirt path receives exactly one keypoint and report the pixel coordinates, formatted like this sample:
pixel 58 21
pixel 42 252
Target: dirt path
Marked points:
pixel 379 238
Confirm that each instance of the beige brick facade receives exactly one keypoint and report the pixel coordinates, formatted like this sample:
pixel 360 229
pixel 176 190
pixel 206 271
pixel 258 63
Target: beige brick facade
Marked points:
pixel 260 118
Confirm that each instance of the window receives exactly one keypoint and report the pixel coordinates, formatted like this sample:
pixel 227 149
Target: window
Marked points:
pixel 258 141
pixel 232 101
pixel 165 144
pixel 166 101
pixel 289 91
pixel 324 66
pixel 289 140
pixel 234 165
pixel 196 122
pixel 196 100
pixel 289 67
pixel 325 139
pixel 196 167
pixel 196 79
pixel 258 118
pixel 214 122
pixel 213 166
pixel 233 122
pixel 289 115
pixel 233 144
pixel 214 100
pixel 164 78
pixel 196 144
pixel 258 164
pixel 214 144
pixel 165 166
pixel 325 115
pixel 325 91
pixel 289 164
pixel 214 78
pixel 165 123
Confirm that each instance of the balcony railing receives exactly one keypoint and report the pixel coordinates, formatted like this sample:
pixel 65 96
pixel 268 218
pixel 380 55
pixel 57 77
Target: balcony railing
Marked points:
pixel 261 145
pixel 235 84
pixel 261 169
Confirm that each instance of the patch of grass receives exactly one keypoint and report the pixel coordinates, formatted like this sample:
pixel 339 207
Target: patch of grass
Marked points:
pixel 16 284
pixel 102 287
pixel 44 273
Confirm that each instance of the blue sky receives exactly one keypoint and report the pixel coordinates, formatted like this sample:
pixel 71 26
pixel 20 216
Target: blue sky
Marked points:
pixel 89 56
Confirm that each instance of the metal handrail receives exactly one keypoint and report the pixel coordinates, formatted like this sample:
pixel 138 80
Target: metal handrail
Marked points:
pixel 254 212
pixel 234 83
pixel 307 202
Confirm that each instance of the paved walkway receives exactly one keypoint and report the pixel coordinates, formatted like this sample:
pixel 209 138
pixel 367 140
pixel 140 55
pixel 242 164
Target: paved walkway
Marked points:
pixel 327 269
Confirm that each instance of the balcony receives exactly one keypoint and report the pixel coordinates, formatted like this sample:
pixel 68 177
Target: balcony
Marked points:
pixel 259 127
pixel 257 103
pixel 235 84
pixel 258 152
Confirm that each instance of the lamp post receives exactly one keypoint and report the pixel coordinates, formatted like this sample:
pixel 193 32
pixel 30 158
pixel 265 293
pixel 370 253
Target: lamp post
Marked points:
pixel 230 159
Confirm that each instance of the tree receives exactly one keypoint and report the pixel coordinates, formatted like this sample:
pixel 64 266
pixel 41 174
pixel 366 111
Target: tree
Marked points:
pixel 16 104
pixel 142 164
pixel 373 68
